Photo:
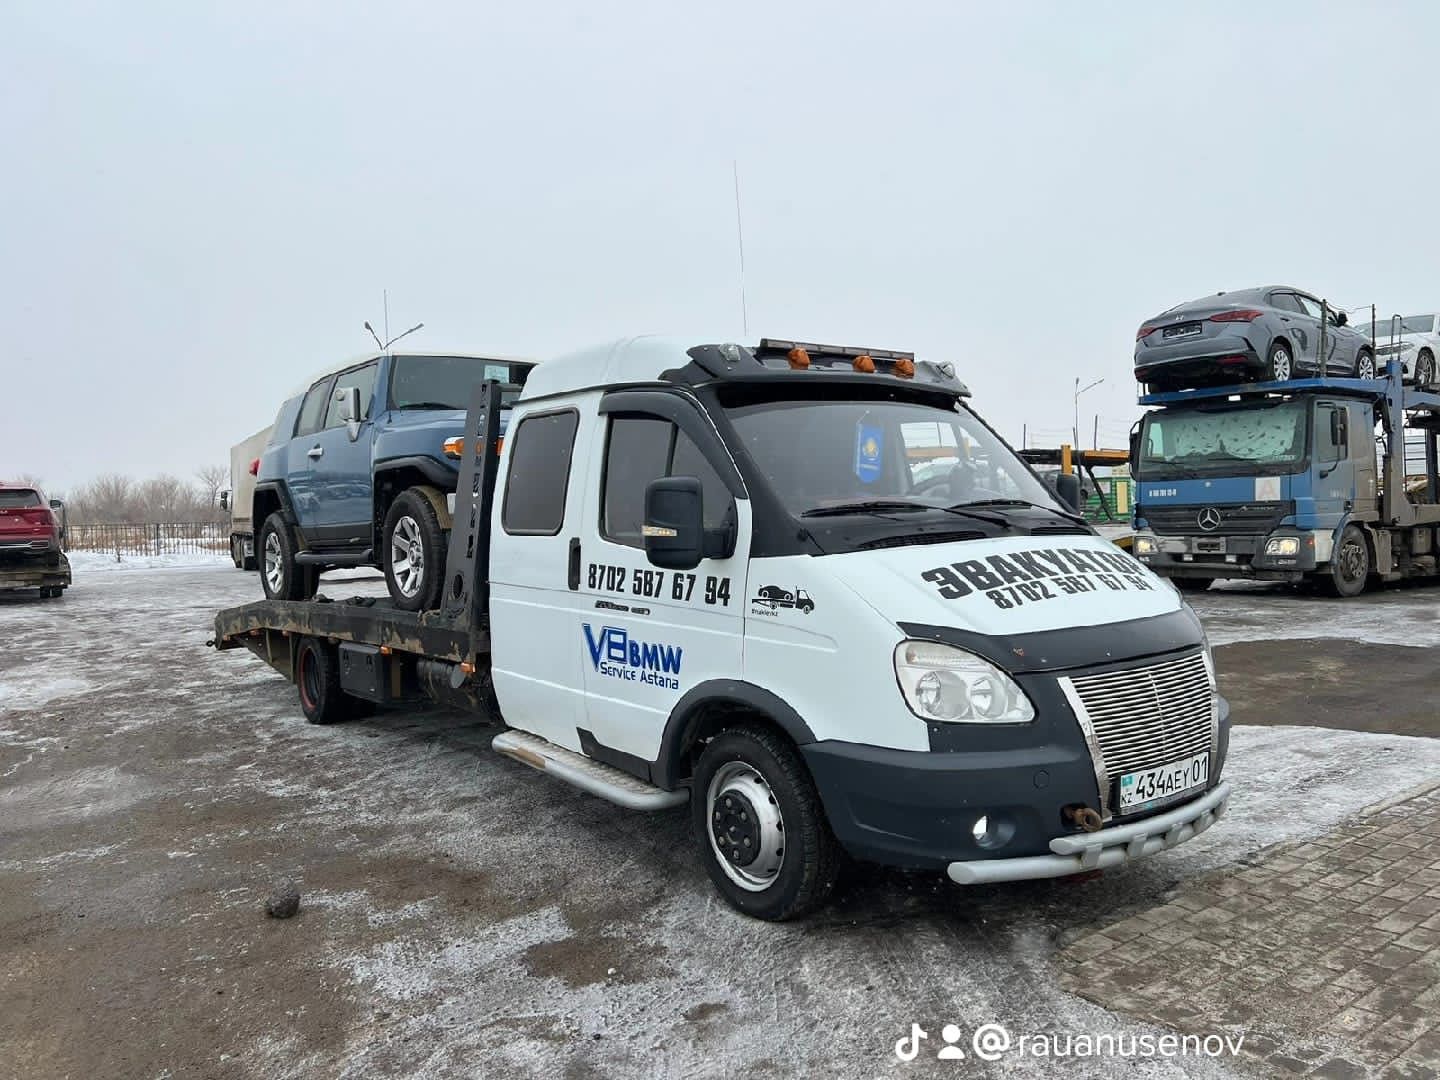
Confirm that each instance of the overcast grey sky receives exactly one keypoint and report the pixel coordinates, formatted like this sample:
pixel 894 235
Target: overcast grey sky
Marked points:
pixel 202 202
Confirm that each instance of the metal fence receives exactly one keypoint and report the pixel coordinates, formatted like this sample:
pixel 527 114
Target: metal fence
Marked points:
pixel 154 538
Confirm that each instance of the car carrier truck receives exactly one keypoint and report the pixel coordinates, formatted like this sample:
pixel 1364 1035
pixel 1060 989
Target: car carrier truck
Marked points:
pixel 729 578
pixel 1288 481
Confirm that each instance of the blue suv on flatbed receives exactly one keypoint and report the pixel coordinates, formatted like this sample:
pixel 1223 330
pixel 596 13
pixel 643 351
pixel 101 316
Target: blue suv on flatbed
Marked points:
pixel 357 472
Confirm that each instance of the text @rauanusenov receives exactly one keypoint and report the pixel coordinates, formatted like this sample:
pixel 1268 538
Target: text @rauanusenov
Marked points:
pixel 991 1042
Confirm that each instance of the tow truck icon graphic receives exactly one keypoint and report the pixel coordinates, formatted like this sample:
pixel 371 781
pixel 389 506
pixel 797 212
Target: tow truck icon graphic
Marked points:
pixel 773 596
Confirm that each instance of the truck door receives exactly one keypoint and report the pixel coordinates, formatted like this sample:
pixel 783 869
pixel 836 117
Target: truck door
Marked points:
pixel 534 547
pixel 343 476
pixel 1334 473
pixel 1362 457
pixel 303 455
pixel 648 635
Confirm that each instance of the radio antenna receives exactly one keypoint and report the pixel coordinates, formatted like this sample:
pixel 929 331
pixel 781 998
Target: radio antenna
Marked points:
pixel 740 243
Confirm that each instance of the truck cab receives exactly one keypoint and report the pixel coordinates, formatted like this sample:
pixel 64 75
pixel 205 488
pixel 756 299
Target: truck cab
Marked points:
pixel 723 576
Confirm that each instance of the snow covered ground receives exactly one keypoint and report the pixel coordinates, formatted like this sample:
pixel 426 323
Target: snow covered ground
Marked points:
pixel 466 916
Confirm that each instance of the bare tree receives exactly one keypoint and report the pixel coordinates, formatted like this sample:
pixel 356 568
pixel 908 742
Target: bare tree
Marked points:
pixel 108 498
pixel 213 480
pixel 165 498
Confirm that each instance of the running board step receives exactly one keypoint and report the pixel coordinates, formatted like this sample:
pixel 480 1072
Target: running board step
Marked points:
pixel 335 558
pixel 586 773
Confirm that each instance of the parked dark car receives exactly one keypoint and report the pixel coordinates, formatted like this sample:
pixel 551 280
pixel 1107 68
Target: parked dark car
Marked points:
pixel 32 541
pixel 361 469
pixel 1269 333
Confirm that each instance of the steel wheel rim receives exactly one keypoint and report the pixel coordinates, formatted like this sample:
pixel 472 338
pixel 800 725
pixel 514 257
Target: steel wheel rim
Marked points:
pixel 747 792
pixel 1352 560
pixel 407 556
pixel 274 565
pixel 1281 364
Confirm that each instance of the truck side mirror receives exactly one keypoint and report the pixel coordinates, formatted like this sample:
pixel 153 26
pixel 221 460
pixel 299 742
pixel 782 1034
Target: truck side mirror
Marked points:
pixel 224 500
pixel 674 528
pixel 1134 448
pixel 1067 487
pixel 349 399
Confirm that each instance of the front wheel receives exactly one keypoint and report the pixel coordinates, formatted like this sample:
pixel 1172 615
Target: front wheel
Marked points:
pixel 1365 365
pixel 760 827
pixel 1349 565
pixel 414 552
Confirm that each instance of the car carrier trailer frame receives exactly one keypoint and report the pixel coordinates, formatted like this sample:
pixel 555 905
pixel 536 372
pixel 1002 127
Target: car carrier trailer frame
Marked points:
pixel 1383 532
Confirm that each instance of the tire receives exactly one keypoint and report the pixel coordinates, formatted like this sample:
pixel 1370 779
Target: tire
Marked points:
pixel 750 785
pixel 1350 565
pixel 1192 584
pixel 235 552
pixel 317 678
pixel 1425 369
pixel 1280 363
pixel 413 546
pixel 1365 364
pixel 280 576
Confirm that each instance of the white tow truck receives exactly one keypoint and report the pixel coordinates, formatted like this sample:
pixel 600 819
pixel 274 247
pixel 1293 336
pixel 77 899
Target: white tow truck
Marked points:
pixel 728 577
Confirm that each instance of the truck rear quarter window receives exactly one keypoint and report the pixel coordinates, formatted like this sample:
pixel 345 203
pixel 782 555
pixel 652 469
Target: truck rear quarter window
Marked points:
pixel 539 474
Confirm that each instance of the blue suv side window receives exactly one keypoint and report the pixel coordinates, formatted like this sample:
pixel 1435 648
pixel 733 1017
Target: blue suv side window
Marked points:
pixel 313 410
pixel 364 379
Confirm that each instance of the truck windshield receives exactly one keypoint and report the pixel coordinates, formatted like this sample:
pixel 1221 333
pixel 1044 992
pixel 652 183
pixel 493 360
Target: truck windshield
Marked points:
pixel 1176 443
pixel 825 455
pixel 445 382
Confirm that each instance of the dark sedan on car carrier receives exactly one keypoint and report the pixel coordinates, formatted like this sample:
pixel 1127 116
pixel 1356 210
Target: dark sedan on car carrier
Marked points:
pixel 1269 333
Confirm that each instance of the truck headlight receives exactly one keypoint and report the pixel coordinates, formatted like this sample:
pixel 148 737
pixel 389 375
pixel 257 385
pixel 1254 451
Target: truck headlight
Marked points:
pixel 950 685
pixel 1282 545
pixel 1146 545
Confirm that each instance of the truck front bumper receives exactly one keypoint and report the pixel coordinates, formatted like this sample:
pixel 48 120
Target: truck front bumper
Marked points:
pixel 1244 556
pixel 1108 847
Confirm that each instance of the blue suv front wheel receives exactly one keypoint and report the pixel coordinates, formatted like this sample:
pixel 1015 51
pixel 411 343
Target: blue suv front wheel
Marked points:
pixel 414 546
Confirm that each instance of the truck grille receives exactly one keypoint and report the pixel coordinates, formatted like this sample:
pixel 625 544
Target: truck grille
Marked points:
pixel 1147 716
pixel 1236 519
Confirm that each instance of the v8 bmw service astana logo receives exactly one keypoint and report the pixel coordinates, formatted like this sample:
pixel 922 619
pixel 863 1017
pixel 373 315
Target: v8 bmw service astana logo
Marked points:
pixel 616 655
pixel 1208 519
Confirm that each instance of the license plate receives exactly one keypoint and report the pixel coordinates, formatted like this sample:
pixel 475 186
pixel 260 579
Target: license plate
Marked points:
pixel 1140 789
pixel 1210 547
pixel 1188 330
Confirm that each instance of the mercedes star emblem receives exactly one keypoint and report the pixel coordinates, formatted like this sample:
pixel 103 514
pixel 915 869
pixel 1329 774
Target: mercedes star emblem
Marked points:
pixel 1209 519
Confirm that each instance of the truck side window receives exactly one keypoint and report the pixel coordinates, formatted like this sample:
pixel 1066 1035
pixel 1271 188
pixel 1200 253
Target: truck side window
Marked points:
pixel 644 448
pixel 539 474
pixel 635 453
pixel 314 407
pixel 1325 415
pixel 687 460
pixel 364 379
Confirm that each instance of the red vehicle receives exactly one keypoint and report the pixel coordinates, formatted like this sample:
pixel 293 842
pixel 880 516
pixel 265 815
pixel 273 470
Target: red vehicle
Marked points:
pixel 32 541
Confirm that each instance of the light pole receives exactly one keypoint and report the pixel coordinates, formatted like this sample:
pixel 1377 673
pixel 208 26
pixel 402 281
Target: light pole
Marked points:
pixel 1078 391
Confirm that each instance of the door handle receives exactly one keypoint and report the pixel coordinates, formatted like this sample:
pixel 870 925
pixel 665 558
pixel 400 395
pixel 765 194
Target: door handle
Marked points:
pixel 315 451
pixel 574 562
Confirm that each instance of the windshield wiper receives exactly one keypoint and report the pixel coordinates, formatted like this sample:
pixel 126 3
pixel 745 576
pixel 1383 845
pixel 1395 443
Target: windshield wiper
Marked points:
pixel 429 405
pixel 962 507
pixel 867 506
